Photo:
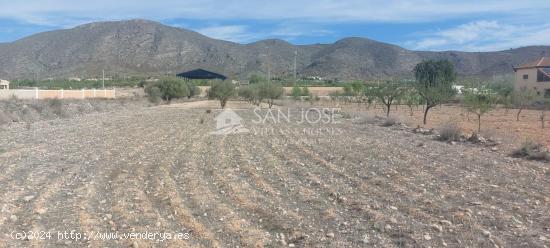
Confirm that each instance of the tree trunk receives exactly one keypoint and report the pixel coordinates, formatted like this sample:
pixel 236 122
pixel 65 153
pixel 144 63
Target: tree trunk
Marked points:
pixel 426 113
pixel 388 110
pixel 519 112
pixel 478 123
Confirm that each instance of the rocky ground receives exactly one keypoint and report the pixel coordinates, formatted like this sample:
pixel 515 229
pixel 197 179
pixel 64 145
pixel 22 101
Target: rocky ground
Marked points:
pixel 343 184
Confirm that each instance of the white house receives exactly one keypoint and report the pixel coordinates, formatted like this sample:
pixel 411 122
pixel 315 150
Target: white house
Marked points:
pixel 4 84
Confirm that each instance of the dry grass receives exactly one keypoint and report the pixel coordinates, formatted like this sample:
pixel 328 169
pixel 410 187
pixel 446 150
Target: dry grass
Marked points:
pixel 532 151
pixel 450 132
pixel 499 124
pixel 29 111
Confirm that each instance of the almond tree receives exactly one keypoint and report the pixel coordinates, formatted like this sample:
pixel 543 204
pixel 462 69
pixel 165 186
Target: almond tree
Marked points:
pixel 521 99
pixel 412 99
pixel 479 103
pixel 388 93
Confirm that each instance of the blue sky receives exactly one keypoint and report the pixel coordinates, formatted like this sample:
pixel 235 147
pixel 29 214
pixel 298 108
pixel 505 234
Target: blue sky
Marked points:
pixel 436 25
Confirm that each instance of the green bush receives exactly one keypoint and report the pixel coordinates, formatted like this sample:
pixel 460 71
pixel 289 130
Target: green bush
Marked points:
pixel 169 88
pixel 305 91
pixel 296 92
pixel 153 93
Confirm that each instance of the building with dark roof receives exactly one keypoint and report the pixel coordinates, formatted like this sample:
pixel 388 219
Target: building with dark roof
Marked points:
pixel 201 74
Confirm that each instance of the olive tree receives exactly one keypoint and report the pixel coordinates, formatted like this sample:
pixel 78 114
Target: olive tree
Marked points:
pixel 270 92
pixel 434 83
pixel 250 93
pixel 192 90
pixel 167 88
pixel 222 91
pixel 256 93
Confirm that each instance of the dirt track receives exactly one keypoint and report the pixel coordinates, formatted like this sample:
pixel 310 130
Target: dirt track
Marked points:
pixel 160 170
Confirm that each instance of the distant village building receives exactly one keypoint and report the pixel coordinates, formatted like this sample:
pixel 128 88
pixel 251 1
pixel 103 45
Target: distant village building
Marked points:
pixel 534 76
pixel 458 88
pixel 4 84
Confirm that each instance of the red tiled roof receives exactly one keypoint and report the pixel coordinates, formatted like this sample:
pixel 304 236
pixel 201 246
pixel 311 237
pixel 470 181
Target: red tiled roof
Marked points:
pixel 541 62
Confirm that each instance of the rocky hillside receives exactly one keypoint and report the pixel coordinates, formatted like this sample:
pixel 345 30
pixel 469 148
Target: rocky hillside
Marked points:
pixel 140 47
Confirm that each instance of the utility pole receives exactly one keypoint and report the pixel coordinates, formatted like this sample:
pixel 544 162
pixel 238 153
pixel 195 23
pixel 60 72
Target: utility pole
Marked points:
pixel 103 78
pixel 268 73
pixel 295 57
pixel 269 67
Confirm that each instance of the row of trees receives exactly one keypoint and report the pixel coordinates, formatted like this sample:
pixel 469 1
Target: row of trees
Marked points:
pixel 172 88
pixel 433 86
pixel 258 92
pixel 169 88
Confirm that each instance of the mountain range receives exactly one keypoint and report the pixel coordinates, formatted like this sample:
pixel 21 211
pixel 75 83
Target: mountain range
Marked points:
pixel 148 48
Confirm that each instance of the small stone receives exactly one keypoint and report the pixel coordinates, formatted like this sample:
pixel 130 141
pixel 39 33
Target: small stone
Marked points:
pixel 494 149
pixel 41 211
pixel 158 224
pixel 366 239
pixel 486 233
pixel 437 227
pixel 393 220
pixel 13 218
pixel 135 245
pixel 393 207
pixel 330 235
pixel 427 237
pixel 542 238
pixel 446 222
pixel 28 198
pixel 387 227
pixel 291 245
pixel 109 216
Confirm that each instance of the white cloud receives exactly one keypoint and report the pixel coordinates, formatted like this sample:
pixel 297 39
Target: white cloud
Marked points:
pixel 63 12
pixel 510 25
pixel 245 34
pixel 235 33
pixel 485 36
